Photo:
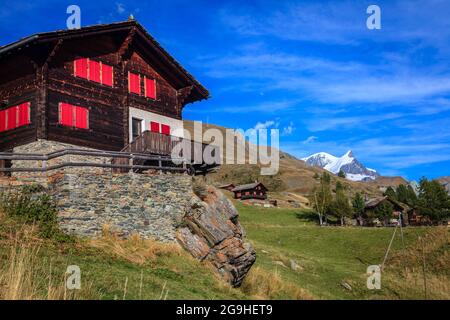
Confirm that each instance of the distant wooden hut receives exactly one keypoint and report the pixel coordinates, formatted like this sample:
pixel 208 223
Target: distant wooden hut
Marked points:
pixel 400 210
pixel 254 190
pixel 228 186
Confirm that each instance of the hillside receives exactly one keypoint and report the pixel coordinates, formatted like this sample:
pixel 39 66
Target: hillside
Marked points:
pixel 388 181
pixel 294 177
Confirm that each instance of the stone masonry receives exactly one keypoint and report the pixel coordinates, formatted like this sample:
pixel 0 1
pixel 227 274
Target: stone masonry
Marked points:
pixel 149 205
pixel 44 147
pixel 153 205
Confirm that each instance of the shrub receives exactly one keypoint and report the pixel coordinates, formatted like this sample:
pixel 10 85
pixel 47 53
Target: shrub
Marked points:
pixel 32 206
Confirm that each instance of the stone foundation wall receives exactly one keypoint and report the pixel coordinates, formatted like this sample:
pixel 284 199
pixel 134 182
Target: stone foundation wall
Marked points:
pixel 149 205
pixel 45 147
pixel 159 206
pixel 89 198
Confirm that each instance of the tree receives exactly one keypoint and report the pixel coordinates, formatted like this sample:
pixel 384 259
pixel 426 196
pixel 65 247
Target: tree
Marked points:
pixel 341 174
pixel 340 207
pixel 358 205
pixel 323 197
pixel 390 192
pixel 384 211
pixel 433 200
pixel 407 195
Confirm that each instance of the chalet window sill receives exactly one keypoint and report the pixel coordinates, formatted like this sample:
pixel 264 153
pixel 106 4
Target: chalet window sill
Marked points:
pixel 73 128
pixel 21 127
pixel 95 83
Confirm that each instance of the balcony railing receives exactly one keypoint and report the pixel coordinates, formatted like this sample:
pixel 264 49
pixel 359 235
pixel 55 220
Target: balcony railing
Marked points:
pixel 161 144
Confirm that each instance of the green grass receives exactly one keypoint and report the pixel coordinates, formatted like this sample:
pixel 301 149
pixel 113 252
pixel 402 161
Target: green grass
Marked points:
pixel 328 256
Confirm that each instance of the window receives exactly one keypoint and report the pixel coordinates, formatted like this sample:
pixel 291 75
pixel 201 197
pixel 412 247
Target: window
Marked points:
pixel 150 88
pixel 107 75
pixel 136 127
pixel 81 68
pixel 154 127
pixel 73 116
pixel 14 117
pixel 2 120
pixel 95 71
pixel 24 114
pixel 11 115
pixel 134 83
pixel 165 129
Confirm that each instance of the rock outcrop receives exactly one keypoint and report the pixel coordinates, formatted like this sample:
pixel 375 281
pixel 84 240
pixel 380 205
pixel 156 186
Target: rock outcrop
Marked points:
pixel 211 232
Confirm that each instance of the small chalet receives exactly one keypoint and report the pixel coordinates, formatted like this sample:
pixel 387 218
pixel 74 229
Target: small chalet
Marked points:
pixel 107 87
pixel 254 190
pixel 228 186
pixel 400 210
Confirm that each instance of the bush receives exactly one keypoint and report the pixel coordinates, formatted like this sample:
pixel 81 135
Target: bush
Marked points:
pixel 31 205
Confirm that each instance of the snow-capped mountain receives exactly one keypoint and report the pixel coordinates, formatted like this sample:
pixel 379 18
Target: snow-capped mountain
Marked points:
pixel 353 169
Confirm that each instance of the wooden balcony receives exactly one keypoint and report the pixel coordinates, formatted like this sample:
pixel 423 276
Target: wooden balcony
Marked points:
pixel 160 144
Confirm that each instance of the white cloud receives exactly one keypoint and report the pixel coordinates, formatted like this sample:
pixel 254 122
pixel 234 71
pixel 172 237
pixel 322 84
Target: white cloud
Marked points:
pixel 310 139
pixel 288 130
pixel 120 7
pixel 264 125
pixel 361 121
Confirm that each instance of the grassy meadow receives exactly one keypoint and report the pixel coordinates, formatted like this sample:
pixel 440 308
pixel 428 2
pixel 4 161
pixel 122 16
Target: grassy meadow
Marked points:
pixel 296 259
pixel 331 258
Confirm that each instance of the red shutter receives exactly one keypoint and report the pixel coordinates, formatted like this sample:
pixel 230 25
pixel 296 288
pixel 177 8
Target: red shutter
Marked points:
pixel 66 114
pixel 134 83
pixel 24 114
pixel 165 129
pixel 81 118
pixel 12 118
pixel 154 126
pixel 81 68
pixel 107 75
pixel 94 71
pixel 150 88
pixel 2 120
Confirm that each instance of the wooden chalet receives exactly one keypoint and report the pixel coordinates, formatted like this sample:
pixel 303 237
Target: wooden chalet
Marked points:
pixel 400 210
pixel 254 190
pixel 228 186
pixel 106 87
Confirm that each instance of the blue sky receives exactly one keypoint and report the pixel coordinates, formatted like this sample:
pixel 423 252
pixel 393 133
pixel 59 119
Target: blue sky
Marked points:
pixel 309 68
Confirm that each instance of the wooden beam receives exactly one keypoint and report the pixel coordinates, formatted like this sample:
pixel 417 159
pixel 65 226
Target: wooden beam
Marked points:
pixel 41 93
pixel 182 95
pixel 124 48
pixel 55 49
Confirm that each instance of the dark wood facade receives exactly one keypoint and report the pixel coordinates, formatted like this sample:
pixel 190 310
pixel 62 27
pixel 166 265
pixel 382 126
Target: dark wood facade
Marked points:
pixel 40 70
pixel 250 191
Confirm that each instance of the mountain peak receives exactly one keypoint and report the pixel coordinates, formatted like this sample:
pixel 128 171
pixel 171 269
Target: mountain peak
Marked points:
pixel 349 154
pixel 352 168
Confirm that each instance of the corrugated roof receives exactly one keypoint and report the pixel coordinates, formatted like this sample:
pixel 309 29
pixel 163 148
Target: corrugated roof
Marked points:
pixel 247 186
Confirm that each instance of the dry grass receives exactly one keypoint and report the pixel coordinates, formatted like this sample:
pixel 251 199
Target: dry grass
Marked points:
pixel 134 249
pixel 422 269
pixel 24 274
pixel 433 247
pixel 410 284
pixel 269 285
